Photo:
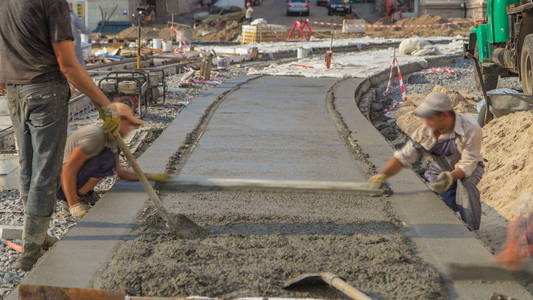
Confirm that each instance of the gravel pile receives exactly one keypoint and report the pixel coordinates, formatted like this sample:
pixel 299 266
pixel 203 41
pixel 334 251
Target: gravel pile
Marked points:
pixel 156 120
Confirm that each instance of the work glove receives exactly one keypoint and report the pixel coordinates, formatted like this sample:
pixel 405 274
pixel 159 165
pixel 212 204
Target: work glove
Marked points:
pixel 111 119
pixel 377 181
pixel 79 210
pixel 161 177
pixel 444 182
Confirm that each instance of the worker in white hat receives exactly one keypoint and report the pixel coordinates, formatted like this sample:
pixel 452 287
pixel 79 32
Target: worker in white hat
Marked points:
pixel 453 142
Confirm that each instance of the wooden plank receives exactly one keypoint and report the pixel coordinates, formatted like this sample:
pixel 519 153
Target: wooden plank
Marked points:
pixel 193 183
pixel 36 292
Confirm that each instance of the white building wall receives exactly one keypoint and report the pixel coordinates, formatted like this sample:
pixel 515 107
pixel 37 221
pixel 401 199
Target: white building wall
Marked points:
pixel 93 13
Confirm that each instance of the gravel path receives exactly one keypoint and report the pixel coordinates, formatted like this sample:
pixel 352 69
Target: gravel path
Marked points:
pixel 157 119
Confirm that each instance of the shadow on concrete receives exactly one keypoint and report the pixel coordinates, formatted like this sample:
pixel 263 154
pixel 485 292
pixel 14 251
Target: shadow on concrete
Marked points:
pixel 316 228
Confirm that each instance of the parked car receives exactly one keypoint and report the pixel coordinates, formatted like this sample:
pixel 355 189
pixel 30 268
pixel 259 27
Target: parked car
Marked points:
pixel 339 7
pixel 298 7
pixel 322 2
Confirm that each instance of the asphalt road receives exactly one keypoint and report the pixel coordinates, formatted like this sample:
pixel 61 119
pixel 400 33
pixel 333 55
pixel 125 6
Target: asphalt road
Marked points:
pixel 275 12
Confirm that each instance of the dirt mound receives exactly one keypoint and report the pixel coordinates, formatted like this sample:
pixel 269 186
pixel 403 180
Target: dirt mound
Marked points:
pixel 402 32
pixel 408 122
pixel 507 144
pixel 150 32
pixel 230 32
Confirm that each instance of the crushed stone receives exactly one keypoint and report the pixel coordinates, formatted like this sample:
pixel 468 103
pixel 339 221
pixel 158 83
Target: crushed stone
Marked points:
pixel 259 240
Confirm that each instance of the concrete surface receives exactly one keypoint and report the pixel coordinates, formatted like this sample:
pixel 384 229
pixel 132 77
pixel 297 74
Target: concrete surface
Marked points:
pixel 260 239
pixel 439 236
pixel 11 232
pixel 274 128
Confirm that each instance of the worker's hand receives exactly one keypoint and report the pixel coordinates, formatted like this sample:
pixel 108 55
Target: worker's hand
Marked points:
pixel 162 177
pixel 79 210
pixel 377 181
pixel 444 182
pixel 2 89
pixel 111 119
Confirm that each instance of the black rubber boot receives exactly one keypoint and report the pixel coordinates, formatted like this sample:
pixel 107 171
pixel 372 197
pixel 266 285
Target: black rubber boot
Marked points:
pixel 34 236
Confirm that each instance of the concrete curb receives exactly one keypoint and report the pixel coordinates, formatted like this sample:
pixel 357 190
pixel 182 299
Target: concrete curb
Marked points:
pixel 73 261
pixel 438 235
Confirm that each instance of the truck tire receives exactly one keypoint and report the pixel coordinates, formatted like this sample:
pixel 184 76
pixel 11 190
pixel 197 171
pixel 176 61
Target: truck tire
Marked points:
pixel 490 80
pixel 526 65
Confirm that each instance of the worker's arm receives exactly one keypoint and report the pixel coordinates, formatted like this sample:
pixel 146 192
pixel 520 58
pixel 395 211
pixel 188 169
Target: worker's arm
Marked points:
pixel 69 174
pixel 2 88
pixel 76 74
pixel 124 173
pixel 392 167
pixel 127 175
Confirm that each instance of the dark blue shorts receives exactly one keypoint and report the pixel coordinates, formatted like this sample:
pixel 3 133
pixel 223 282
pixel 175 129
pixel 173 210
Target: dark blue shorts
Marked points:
pixel 99 166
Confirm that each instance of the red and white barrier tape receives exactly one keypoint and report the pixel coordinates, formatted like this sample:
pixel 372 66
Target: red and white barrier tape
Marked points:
pixel 391 26
pixel 389 112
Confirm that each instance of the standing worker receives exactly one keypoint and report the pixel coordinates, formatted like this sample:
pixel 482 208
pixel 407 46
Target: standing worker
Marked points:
pixel 453 141
pixel 37 58
pixel 249 13
pixel 78 28
pixel 91 154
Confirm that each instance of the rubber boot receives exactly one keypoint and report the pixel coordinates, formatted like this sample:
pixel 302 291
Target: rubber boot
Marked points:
pixel 34 236
pixel 49 241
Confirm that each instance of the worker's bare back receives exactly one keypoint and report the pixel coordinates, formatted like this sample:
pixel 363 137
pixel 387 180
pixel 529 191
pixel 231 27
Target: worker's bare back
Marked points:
pixel 28 28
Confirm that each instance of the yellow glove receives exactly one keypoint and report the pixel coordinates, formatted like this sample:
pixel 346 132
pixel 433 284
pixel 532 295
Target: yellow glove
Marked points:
pixel 377 181
pixel 162 177
pixel 79 210
pixel 444 182
pixel 111 119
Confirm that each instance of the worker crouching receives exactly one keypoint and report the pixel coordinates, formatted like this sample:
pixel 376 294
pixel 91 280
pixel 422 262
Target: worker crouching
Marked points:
pixel 91 155
pixel 453 143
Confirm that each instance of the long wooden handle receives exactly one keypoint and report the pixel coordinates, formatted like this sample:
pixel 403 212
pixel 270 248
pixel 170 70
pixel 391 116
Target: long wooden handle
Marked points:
pixel 140 174
pixel 344 287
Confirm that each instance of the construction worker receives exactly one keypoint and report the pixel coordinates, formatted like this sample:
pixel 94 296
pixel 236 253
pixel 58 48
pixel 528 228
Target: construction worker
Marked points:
pixel 453 142
pixel 249 16
pixel 91 155
pixel 37 62
pixel 519 244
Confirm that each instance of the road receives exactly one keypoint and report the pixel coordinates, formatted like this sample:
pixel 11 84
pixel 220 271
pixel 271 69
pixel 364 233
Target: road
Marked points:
pixel 274 11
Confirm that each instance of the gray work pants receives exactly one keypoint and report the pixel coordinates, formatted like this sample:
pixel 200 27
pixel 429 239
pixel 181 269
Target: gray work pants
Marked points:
pixel 39 113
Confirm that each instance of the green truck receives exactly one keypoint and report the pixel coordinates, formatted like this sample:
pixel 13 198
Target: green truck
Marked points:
pixel 503 43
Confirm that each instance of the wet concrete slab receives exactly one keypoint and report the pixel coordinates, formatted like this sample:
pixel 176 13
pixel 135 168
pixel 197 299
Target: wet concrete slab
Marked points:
pixel 274 128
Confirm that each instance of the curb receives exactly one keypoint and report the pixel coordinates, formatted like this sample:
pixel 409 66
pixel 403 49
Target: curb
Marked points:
pixel 74 260
pixel 438 235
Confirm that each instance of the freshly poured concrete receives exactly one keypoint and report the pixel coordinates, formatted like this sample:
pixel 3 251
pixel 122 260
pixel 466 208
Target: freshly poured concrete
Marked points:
pixel 274 128
pixel 260 239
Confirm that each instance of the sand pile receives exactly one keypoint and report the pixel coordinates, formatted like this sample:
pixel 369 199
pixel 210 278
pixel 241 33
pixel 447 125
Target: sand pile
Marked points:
pixel 402 32
pixel 149 32
pixel 408 122
pixel 507 144
pixel 230 32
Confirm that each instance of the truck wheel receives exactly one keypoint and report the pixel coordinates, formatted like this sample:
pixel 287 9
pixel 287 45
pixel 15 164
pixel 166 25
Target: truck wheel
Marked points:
pixel 526 65
pixel 490 80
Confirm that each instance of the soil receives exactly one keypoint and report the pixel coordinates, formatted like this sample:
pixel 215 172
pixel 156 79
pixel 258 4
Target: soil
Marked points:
pixel 225 33
pixel 259 240
pixel 402 32
pixel 507 144
pixel 464 103
pixel 148 32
